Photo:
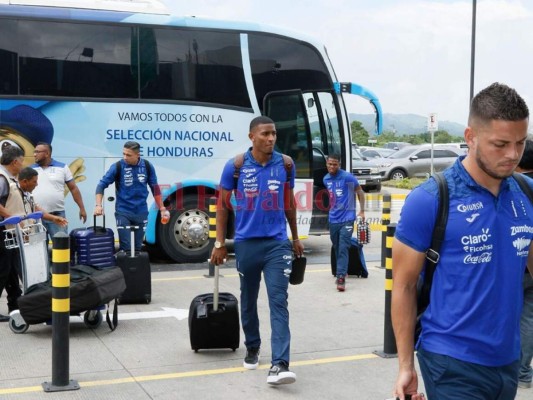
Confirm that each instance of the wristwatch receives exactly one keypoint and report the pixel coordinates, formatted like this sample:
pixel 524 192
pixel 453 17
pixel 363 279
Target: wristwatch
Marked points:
pixel 218 244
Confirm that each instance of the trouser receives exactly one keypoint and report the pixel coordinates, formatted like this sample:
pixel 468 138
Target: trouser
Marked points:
pixel 526 331
pixel 52 228
pixel 9 275
pixel 447 378
pixel 124 234
pixel 341 238
pixel 274 259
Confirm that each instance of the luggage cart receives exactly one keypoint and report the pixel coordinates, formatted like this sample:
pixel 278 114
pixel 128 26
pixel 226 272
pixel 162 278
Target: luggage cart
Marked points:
pixel 31 241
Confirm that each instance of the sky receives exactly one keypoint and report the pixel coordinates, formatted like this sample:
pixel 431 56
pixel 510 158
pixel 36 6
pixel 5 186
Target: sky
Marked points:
pixel 415 55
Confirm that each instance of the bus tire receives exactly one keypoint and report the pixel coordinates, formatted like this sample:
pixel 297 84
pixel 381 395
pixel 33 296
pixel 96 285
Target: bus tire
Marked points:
pixel 186 236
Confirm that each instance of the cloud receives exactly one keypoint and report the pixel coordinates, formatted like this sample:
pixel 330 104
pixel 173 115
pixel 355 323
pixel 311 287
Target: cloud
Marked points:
pixel 414 54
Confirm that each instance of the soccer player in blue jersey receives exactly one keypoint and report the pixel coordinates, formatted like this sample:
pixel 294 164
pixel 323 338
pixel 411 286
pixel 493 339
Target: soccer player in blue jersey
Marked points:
pixel 469 347
pixel 265 203
pixel 342 188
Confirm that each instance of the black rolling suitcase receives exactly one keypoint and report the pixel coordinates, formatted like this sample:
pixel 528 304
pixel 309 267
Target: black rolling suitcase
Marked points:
pixel 94 246
pixel 356 261
pixel 137 273
pixel 214 320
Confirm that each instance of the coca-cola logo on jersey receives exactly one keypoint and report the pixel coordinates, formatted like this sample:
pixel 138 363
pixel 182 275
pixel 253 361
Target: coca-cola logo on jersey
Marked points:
pixel 479 259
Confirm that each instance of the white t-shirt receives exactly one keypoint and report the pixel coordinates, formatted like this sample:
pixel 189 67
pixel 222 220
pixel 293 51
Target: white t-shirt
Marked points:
pixel 50 191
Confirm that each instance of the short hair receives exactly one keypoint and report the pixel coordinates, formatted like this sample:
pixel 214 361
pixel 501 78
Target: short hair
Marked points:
pixel 335 156
pixel 259 121
pixel 45 144
pixel 526 162
pixel 10 154
pixel 498 102
pixel 27 173
pixel 132 146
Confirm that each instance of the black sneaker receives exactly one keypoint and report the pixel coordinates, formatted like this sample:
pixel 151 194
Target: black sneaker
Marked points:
pixel 341 284
pixel 251 361
pixel 280 375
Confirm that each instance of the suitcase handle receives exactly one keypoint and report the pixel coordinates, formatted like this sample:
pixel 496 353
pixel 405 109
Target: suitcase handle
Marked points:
pixel 132 229
pixel 94 221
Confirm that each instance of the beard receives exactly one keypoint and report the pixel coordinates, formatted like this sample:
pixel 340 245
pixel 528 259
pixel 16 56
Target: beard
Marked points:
pixel 490 172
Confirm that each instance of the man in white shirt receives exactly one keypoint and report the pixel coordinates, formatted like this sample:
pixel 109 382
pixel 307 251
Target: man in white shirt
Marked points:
pixel 50 194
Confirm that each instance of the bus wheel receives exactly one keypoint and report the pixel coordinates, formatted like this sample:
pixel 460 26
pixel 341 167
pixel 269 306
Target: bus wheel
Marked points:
pixel 186 236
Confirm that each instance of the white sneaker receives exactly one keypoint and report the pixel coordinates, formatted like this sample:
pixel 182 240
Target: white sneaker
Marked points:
pixel 280 375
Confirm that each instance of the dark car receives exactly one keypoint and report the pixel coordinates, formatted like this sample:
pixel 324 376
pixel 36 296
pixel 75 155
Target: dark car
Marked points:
pixel 415 161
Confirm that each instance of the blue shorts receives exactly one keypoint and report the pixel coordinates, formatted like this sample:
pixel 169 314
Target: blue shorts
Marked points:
pixel 446 377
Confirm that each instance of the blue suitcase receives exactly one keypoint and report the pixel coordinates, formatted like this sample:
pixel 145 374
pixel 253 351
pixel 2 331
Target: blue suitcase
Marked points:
pixel 94 246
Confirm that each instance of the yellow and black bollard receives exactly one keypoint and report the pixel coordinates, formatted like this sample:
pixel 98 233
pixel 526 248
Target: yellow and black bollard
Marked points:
pixel 60 316
pixel 385 221
pixel 212 231
pixel 389 341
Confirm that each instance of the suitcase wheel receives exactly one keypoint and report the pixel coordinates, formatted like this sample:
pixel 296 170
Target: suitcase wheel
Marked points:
pixel 17 328
pixel 92 319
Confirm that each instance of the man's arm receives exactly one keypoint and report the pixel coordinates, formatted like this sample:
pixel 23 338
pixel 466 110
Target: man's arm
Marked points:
pixel 361 196
pixel 56 219
pixel 219 255
pixel 407 264
pixel 76 195
pixel 290 214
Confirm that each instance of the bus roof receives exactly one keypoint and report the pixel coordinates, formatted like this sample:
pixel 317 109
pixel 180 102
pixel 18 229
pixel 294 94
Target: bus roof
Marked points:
pixel 134 12
pixel 142 6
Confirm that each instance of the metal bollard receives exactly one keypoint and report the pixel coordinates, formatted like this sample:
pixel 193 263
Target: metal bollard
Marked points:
pixel 385 221
pixel 212 231
pixel 389 341
pixel 60 316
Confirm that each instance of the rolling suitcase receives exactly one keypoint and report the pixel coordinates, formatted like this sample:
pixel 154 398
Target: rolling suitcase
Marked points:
pixel 94 246
pixel 137 273
pixel 214 320
pixel 356 261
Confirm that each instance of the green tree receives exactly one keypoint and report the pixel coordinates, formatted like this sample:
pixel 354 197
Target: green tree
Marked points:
pixel 359 133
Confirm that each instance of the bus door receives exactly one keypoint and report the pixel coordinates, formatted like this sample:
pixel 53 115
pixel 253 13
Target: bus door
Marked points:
pixel 307 130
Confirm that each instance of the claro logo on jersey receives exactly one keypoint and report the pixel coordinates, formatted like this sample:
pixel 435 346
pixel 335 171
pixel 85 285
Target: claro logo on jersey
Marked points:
pixel 478 247
pixel 470 207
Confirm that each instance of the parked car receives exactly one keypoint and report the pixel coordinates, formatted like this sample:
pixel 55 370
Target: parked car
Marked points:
pixel 415 161
pixel 377 152
pixel 396 145
pixel 366 171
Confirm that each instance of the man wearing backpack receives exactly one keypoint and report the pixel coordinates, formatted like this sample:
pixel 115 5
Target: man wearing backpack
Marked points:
pixel 132 176
pixel 469 346
pixel 263 186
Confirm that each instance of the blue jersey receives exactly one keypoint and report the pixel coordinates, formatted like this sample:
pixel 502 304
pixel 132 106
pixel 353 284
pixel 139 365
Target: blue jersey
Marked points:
pixel 341 189
pixel 476 297
pixel 260 211
pixel 132 188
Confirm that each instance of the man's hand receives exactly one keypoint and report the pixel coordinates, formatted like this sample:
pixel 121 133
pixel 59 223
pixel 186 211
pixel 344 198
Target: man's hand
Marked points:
pixel 218 256
pixel 407 384
pixel 83 215
pixel 298 248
